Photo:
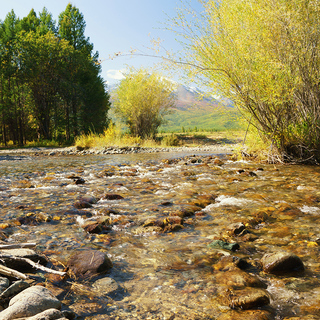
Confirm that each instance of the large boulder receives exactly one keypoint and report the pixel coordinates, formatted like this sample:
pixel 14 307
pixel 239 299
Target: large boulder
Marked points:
pixel 30 302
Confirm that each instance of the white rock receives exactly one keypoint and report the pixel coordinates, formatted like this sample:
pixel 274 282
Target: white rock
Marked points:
pixel 30 302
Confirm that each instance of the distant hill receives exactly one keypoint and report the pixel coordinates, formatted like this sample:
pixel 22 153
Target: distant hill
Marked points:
pixel 196 111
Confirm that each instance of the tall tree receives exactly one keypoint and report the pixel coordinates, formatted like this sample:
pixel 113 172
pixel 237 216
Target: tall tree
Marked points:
pixel 265 56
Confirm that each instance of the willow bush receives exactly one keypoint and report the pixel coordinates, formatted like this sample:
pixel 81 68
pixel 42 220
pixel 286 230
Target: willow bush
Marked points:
pixel 263 55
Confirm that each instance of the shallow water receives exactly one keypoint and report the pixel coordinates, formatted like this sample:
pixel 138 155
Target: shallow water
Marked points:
pixel 167 275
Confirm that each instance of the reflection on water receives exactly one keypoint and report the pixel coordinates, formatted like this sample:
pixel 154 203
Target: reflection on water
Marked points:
pixel 171 274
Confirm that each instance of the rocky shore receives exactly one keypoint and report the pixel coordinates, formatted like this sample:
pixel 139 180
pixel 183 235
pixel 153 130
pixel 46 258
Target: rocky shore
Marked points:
pixel 43 151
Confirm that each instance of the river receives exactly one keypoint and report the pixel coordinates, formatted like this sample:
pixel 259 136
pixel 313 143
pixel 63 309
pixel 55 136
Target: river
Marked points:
pixel 164 269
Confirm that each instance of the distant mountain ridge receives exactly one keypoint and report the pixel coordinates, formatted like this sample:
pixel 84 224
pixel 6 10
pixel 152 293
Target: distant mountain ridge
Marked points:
pixel 195 109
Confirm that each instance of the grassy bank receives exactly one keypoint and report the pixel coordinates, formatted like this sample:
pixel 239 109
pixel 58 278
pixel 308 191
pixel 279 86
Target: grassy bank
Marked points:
pixel 113 137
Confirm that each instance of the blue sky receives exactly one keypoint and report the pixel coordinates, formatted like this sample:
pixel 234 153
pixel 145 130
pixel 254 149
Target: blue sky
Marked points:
pixel 114 26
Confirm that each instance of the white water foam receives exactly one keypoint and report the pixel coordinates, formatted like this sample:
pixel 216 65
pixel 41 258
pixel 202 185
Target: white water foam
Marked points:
pixel 312 210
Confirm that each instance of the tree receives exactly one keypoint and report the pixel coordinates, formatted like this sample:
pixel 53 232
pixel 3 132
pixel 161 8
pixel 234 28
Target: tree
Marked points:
pixel 142 99
pixel 265 56
pixel 50 83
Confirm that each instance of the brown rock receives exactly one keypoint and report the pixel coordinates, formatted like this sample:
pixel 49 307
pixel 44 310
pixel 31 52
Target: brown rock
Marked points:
pixel 81 204
pixel 247 315
pixel 89 262
pixel 281 262
pixel 110 196
pixel 239 278
pixel 248 298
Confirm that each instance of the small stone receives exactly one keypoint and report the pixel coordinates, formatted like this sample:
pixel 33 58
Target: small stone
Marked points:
pixel 106 285
pixel 239 278
pixel 224 245
pixel 89 199
pixel 82 204
pixel 109 196
pixel 79 181
pixel 237 228
pixel 281 262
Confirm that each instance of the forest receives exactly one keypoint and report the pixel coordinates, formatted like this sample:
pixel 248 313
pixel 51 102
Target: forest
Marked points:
pixel 50 82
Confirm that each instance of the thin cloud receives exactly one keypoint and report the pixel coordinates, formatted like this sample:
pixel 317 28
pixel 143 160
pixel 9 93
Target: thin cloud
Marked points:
pixel 116 74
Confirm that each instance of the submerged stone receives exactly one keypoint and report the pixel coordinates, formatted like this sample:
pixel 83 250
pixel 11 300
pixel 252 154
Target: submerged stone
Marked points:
pixel 239 278
pixel 248 298
pixel 224 245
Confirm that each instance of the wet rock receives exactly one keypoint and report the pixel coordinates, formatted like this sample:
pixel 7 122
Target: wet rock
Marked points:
pixel 99 225
pixel 229 263
pixel 33 219
pixel 236 229
pixel 89 199
pixel 204 200
pixel 248 298
pixel 4 284
pixel 281 262
pixel 14 289
pixel 50 314
pixel 247 315
pixel 239 278
pixel 78 212
pixel 106 285
pixel 173 227
pixel 107 211
pixel 166 203
pixel 79 181
pixel 224 245
pixel 111 196
pixel 150 229
pixel 82 204
pixel 30 302
pixel 249 237
pixel 89 262
pixel 154 222
pixel 186 211
pixel 20 265
pixel 173 220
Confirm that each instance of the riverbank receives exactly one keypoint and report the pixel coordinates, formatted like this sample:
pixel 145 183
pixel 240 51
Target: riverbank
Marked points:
pixel 47 151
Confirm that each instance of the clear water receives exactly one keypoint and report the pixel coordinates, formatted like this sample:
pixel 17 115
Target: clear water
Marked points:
pixel 166 275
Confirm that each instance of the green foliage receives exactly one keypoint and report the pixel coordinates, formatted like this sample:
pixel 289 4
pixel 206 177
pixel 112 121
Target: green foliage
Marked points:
pixel 50 79
pixel 264 56
pixel 170 140
pixel 218 119
pixel 142 100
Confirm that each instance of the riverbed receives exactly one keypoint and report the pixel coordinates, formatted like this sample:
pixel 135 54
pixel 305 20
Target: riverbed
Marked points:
pixel 163 267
